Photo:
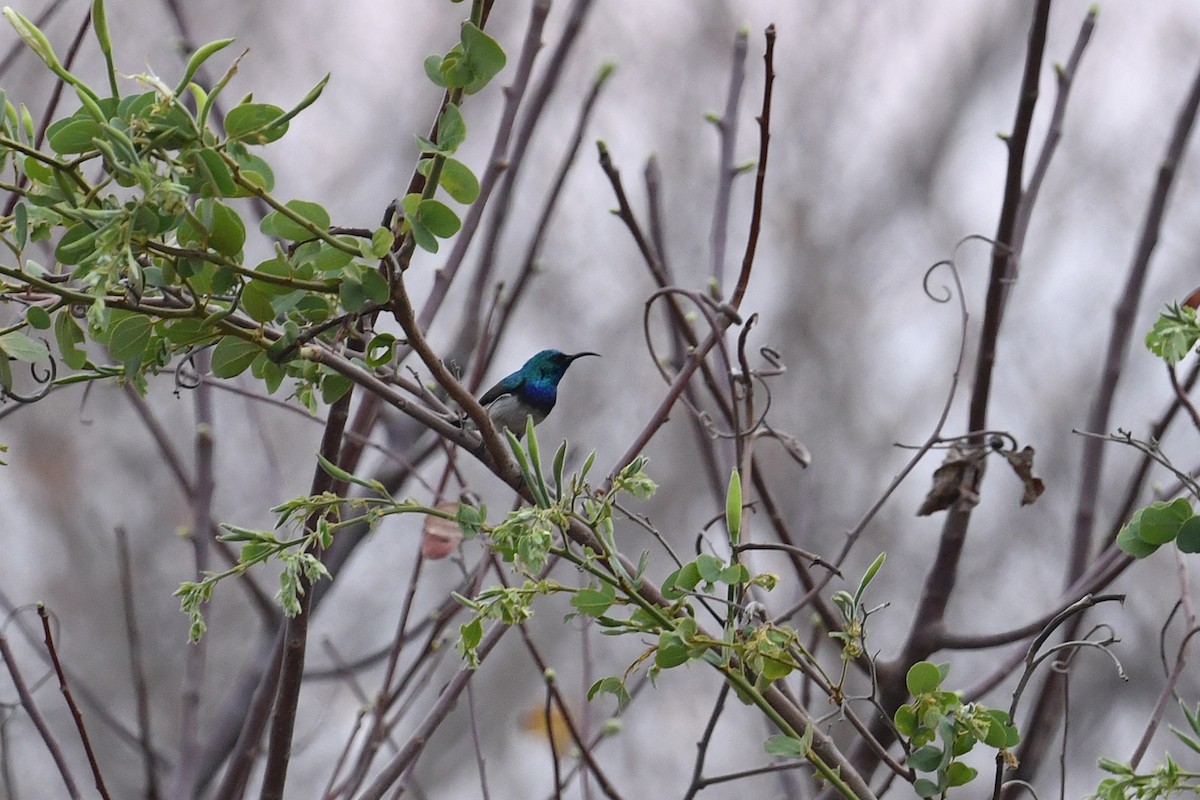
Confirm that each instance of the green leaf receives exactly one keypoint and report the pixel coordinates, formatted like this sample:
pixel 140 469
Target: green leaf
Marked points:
pixel 351 295
pixel 215 173
pixel 232 356
pixel 437 217
pixel 128 335
pixel 906 720
pixel 21 224
pixel 69 335
pixel 1188 540
pixel 671 651
pixel 610 685
pixel 471 633
pixel 482 55
pixel 19 346
pixel 926 759
pixel 256 301
pixel 223 229
pixel 254 169
pixel 380 350
pixel 923 678
pixel 869 576
pixel 594 602
pixel 733 507
pixel 959 774
pixel 280 226
pixel 375 286
pixel 251 123
pixel 925 788
pixel 1174 334
pixel 709 567
pixel 1161 521
pixel 333 387
pixel 1131 542
pixel 228 232
pixel 459 181
pixel 73 135
pixel 37 317
pixel 198 58
pixel 786 746
pixel 76 244
pixel 433 70
pixel 452 130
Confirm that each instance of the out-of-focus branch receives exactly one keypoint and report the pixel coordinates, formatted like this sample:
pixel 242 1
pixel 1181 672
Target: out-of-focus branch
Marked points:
pixel 295 631
pixel 469 332
pixel 1066 77
pixel 1168 690
pixel 1121 333
pixel 136 665
pixel 76 715
pixel 1041 723
pixel 35 716
pixel 496 165
pixel 191 694
pixel 726 172
pixel 533 249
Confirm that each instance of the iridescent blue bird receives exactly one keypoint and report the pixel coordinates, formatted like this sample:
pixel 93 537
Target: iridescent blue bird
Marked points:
pixel 528 392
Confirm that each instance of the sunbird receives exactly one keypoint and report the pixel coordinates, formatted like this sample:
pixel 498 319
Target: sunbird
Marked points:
pixel 528 392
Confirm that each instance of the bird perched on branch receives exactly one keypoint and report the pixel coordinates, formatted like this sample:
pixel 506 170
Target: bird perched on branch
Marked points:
pixel 528 392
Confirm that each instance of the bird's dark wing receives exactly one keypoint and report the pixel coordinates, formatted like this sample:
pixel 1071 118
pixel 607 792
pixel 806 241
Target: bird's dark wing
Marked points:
pixel 505 386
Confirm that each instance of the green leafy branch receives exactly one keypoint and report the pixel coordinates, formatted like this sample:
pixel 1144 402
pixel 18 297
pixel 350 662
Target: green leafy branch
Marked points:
pixel 1165 780
pixel 940 728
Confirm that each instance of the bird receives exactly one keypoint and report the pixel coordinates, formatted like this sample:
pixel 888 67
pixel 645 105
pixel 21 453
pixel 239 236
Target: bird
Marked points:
pixel 529 392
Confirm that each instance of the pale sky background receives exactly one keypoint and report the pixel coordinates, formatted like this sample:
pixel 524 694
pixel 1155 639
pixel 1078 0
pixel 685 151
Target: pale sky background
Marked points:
pixel 884 155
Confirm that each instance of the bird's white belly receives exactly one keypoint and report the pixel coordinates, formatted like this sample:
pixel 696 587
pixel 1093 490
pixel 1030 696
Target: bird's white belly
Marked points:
pixel 509 412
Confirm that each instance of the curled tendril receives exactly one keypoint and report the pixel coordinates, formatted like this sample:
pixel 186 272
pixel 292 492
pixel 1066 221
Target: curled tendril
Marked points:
pixel 45 381
pixel 945 295
pixel 772 357
pixel 182 379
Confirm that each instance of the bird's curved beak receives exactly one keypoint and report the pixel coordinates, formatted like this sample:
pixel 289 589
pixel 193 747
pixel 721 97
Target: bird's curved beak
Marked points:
pixel 584 353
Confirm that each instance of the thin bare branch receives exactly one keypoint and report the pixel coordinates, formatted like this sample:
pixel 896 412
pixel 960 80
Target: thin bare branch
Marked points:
pixel 37 719
pixel 76 714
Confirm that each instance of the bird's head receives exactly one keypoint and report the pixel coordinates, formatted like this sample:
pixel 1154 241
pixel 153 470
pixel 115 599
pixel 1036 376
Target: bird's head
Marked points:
pixel 552 364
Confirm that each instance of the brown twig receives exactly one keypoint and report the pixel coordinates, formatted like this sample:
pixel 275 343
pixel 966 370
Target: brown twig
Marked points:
pixel 1176 671
pixel 37 719
pixel 1121 333
pixel 200 497
pixel 136 665
pixel 555 696
pixel 702 746
pixel 726 172
pixel 534 248
pixel 295 630
pixel 75 712
pixel 472 317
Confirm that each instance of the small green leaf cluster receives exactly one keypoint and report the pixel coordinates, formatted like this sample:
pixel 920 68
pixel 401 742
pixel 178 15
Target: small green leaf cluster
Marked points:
pixel 854 615
pixel 298 555
pixel 940 727
pixel 145 199
pixel 1163 781
pixel 465 69
pixel 1174 334
pixel 527 537
pixel 1159 523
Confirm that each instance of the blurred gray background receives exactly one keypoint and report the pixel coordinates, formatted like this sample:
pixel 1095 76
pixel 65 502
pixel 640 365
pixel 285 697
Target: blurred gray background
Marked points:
pixel 884 155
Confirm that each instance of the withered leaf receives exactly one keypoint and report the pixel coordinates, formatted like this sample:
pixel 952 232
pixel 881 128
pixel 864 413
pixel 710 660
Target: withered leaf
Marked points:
pixel 1021 462
pixel 439 536
pixel 955 480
